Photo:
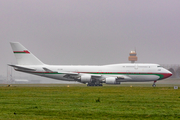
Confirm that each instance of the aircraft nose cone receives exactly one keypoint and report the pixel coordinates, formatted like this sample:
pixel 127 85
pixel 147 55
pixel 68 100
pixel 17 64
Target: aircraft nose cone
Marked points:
pixel 169 74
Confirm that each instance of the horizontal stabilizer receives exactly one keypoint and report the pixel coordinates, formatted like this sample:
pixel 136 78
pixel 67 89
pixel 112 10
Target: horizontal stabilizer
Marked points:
pixel 22 68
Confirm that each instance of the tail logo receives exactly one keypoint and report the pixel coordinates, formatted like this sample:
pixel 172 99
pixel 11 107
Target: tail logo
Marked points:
pixel 25 51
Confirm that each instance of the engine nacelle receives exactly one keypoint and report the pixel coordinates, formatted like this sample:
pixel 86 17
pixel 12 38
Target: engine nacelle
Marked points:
pixel 112 80
pixel 86 78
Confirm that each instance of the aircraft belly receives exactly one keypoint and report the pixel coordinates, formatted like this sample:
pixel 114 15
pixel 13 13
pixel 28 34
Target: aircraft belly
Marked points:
pixel 140 78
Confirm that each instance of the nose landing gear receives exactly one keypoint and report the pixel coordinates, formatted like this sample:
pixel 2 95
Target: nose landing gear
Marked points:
pixel 154 85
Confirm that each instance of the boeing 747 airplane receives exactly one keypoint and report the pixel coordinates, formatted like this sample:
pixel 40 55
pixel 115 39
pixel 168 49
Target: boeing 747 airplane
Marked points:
pixel 90 75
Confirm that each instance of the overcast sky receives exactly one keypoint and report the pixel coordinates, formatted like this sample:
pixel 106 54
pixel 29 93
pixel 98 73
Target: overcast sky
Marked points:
pixel 91 31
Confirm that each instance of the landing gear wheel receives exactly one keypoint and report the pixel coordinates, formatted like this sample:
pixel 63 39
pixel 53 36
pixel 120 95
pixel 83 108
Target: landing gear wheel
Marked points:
pixel 154 85
pixel 90 84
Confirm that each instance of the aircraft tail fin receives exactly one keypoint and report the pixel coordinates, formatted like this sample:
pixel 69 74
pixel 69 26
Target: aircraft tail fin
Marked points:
pixel 24 56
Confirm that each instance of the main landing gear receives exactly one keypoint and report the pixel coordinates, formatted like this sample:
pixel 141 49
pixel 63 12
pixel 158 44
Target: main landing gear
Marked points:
pixel 154 85
pixel 94 84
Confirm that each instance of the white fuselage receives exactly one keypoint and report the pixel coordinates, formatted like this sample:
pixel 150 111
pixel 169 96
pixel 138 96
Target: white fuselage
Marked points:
pixel 131 72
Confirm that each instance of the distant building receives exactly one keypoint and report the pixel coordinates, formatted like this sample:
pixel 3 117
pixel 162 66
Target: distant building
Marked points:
pixel 132 56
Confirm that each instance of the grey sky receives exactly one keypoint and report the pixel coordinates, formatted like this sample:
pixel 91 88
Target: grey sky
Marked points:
pixel 91 31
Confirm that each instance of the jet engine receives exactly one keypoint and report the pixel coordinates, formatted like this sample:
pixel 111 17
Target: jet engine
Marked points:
pixel 112 80
pixel 86 78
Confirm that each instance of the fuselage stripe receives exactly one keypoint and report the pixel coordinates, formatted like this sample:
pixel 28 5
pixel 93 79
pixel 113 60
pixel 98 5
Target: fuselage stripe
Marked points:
pixel 161 75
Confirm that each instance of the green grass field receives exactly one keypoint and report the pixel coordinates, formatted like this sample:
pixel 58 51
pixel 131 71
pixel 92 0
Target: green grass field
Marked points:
pixel 81 102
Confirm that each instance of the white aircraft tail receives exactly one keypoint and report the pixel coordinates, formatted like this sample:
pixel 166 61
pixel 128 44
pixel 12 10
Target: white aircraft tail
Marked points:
pixel 24 56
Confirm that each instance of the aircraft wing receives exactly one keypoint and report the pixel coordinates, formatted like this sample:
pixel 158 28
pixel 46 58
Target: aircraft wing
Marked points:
pixel 73 75
pixel 123 78
pixel 95 77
